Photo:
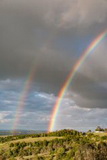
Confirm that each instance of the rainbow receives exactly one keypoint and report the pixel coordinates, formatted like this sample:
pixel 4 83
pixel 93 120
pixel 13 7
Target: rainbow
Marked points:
pixel 25 91
pixel 23 97
pixel 70 77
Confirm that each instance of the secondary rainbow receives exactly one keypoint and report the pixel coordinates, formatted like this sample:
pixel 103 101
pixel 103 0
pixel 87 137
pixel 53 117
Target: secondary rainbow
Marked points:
pixel 22 98
pixel 71 75
pixel 26 88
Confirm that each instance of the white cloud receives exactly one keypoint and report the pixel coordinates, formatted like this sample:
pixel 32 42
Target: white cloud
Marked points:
pixel 80 118
pixel 3 117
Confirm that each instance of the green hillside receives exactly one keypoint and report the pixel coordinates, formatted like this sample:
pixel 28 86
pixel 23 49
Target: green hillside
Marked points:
pixel 59 145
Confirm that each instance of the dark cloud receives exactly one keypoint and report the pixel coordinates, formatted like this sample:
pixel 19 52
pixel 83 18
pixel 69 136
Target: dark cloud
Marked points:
pixel 29 31
pixel 89 83
pixel 50 36
pixel 26 39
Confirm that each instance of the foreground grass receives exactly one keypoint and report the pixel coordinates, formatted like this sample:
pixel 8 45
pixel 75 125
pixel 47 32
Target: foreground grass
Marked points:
pixel 6 146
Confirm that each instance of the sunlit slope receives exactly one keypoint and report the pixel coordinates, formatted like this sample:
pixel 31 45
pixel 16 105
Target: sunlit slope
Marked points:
pixel 59 145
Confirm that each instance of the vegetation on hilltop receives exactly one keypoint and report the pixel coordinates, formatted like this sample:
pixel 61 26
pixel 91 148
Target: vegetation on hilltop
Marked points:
pixel 65 145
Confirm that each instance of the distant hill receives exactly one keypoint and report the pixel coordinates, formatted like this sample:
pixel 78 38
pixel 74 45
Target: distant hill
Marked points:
pixel 19 132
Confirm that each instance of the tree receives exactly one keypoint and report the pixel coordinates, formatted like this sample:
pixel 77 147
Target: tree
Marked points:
pixel 99 129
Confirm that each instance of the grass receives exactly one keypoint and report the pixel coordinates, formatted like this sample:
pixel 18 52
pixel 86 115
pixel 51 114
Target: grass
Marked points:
pixel 101 134
pixel 5 145
pixel 30 139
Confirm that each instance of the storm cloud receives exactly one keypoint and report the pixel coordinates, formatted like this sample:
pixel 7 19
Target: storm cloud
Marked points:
pixel 50 36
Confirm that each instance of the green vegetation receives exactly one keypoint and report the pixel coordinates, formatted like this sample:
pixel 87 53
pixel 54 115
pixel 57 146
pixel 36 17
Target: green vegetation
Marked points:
pixel 101 129
pixel 59 145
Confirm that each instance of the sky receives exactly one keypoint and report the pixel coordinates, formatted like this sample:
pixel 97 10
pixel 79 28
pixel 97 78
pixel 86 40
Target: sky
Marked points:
pixel 48 37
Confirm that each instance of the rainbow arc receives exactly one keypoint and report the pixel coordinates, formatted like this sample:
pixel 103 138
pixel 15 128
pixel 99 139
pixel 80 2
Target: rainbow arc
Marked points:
pixel 71 76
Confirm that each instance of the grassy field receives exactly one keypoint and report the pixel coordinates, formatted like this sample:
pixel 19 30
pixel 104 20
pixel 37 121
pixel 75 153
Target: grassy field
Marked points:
pixel 30 139
pixel 101 134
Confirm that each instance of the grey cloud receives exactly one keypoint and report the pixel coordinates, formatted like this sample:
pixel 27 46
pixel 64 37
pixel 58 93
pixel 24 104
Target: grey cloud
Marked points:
pixel 12 93
pixel 29 28
pixel 26 41
pixel 89 84
pixel 80 118
pixel 37 111
pixel 31 32
pixel 85 13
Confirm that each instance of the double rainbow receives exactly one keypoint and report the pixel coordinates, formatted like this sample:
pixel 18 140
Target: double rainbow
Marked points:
pixel 63 90
pixel 70 77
